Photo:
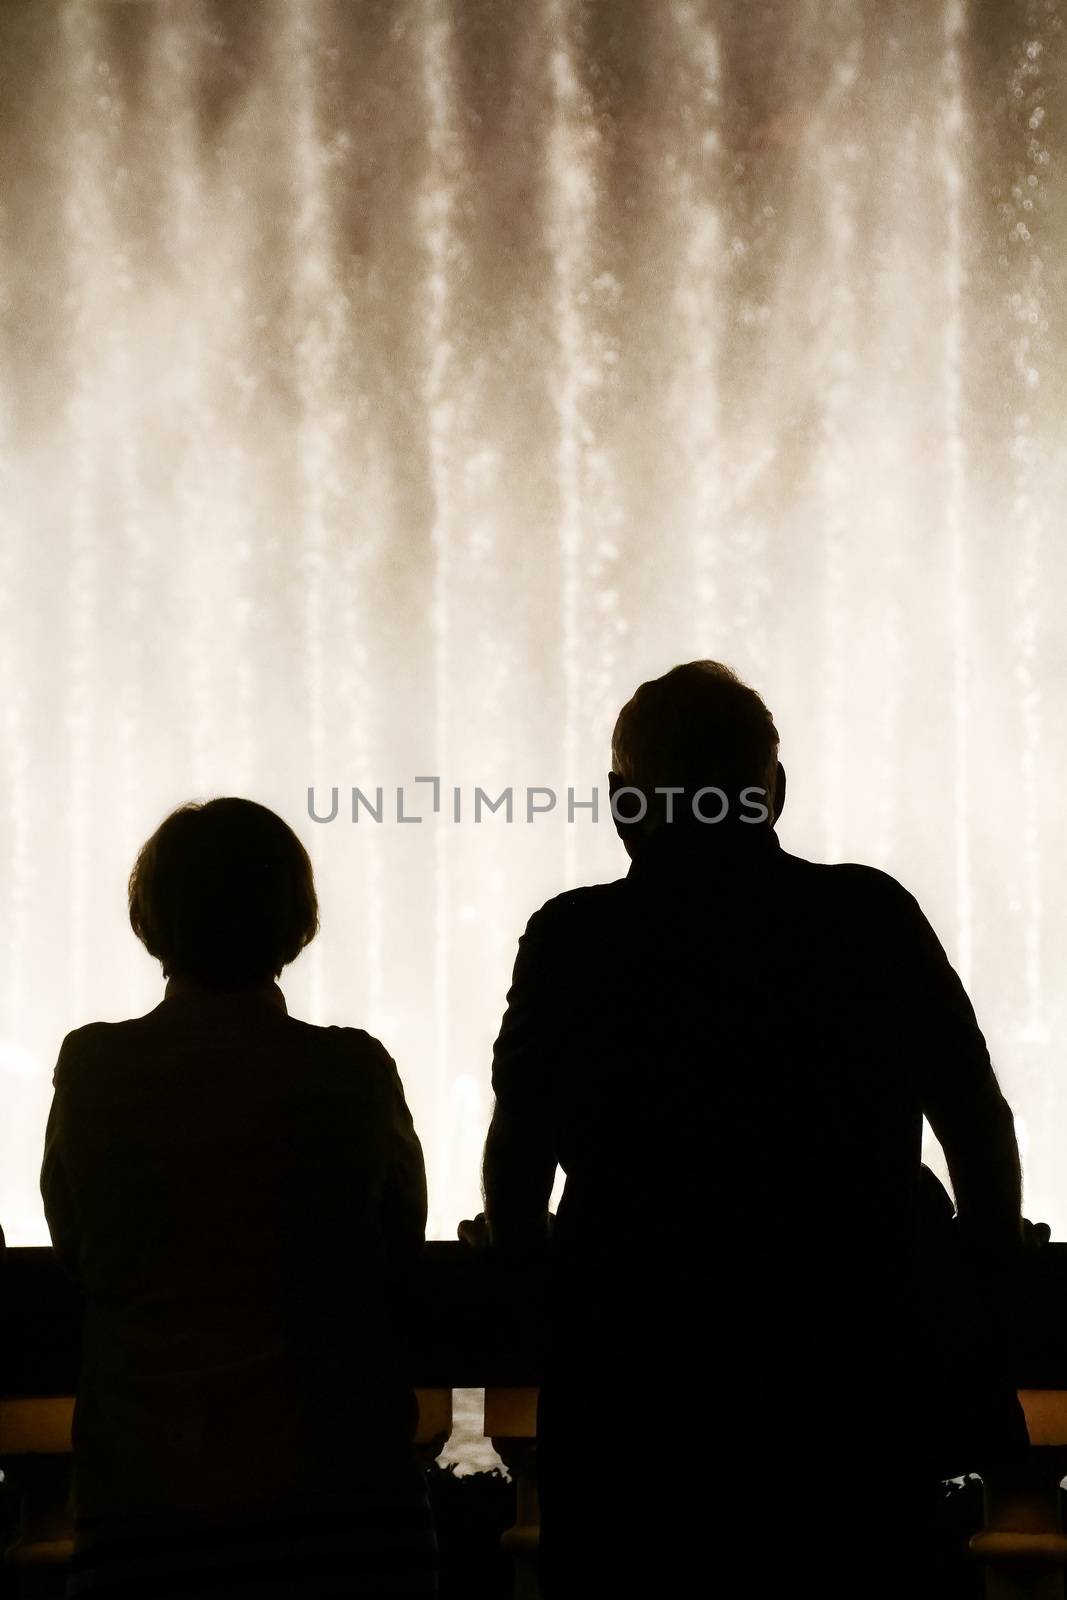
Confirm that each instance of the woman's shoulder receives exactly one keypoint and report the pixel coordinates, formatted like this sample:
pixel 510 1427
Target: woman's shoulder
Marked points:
pixel 340 1041
pixel 349 1049
pixel 91 1038
pixel 88 1046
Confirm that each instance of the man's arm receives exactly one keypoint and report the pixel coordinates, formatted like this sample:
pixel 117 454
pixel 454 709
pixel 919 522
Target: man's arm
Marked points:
pixel 519 1165
pixel 983 1162
pixel 961 1098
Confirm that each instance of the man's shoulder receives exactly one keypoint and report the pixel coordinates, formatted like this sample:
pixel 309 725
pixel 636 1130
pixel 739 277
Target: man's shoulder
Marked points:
pixel 850 884
pixel 574 908
pixel 841 889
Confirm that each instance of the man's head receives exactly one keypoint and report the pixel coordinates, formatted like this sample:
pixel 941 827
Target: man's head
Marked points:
pixel 701 731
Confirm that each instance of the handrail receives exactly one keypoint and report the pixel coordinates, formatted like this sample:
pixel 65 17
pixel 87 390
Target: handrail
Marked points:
pixel 472 1325
pixel 41 1424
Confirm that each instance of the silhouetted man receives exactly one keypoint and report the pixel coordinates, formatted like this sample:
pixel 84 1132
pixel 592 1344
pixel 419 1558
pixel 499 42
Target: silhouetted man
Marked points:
pixel 729 1052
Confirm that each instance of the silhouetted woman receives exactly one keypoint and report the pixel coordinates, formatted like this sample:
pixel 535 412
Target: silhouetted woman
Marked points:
pixel 237 1192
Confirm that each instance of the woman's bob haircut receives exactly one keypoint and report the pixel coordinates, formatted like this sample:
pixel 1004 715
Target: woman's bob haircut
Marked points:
pixel 223 895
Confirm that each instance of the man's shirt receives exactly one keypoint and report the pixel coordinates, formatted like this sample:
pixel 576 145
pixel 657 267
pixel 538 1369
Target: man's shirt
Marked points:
pixel 730 1056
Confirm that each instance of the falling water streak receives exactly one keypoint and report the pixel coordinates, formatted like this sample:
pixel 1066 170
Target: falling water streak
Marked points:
pixel 244 609
pixel 314 289
pixel 698 304
pixel 951 144
pixel 238 477
pixel 891 512
pixel 437 213
pixel 354 701
pixel 84 223
pixel 173 72
pixel 889 722
pixel 366 536
pixel 1028 305
pixel 1028 681
pixel 482 500
pixel 755 586
pixel 115 247
pixel 321 310
pixel 605 621
pixel 572 144
pixel 14 718
pixel 835 469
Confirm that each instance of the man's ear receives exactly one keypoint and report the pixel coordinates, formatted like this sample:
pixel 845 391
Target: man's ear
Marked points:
pixel 779 792
pixel 628 832
pixel 615 783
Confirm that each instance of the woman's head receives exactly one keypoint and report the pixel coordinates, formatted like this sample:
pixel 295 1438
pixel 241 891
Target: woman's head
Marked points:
pixel 223 894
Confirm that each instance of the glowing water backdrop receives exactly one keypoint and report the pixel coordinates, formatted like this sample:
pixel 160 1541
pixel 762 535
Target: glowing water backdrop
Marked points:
pixel 389 386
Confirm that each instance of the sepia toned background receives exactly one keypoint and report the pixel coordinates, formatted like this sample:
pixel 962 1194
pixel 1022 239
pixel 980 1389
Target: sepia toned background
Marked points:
pixel 388 387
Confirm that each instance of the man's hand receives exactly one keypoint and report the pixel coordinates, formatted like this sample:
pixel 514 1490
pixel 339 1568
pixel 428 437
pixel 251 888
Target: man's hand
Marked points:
pixel 1005 1255
pixel 474 1231
pixel 1035 1234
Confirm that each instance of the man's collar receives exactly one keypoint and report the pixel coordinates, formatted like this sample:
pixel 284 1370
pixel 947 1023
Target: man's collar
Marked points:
pixel 690 850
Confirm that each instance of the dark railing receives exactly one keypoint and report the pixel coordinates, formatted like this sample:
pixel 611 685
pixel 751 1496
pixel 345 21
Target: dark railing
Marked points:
pixel 472 1325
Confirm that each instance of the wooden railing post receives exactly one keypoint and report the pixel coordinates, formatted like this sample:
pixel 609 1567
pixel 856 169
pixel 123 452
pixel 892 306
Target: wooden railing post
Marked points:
pixel 511 1424
pixel 1023 1543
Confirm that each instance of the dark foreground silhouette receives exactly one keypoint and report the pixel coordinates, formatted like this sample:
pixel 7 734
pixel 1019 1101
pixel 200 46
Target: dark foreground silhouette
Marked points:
pixel 237 1194
pixel 729 1052
pixel 462 1333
